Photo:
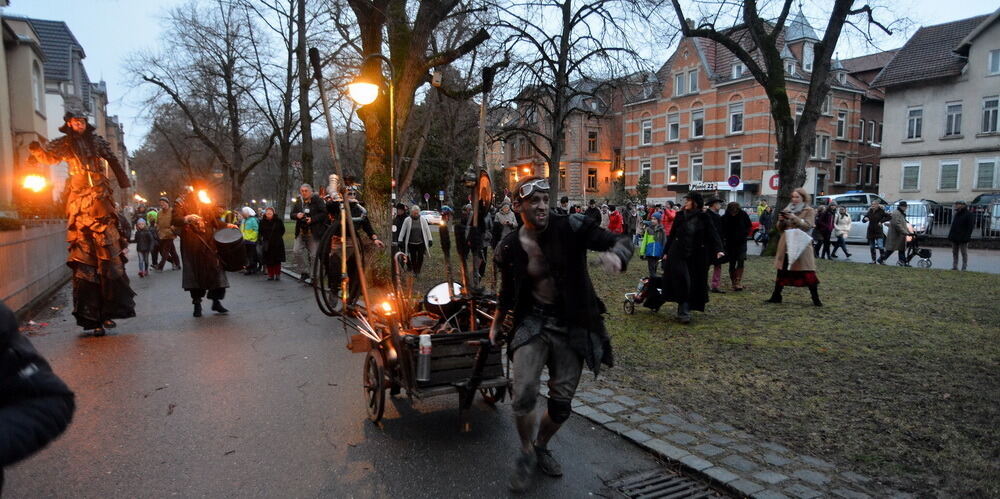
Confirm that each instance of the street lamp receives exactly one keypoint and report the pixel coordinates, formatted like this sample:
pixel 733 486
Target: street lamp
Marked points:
pixel 365 92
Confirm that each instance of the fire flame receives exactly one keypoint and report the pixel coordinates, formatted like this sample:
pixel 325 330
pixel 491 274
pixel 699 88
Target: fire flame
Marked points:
pixel 35 183
pixel 203 197
pixel 139 198
pixel 386 308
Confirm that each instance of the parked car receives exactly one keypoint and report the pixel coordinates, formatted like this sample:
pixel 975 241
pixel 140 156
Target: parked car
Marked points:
pixel 433 217
pixel 981 209
pixel 754 225
pixel 851 199
pixel 920 214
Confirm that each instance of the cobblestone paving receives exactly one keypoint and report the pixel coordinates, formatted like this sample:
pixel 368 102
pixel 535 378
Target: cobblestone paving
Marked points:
pixel 740 462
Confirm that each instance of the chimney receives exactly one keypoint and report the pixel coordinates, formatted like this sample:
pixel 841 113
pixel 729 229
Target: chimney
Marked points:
pixel 690 23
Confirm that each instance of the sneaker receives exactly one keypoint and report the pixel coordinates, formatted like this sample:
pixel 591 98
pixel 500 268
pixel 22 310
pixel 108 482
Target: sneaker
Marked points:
pixel 547 463
pixel 520 479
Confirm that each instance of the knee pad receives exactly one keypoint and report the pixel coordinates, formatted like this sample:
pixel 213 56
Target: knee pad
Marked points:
pixel 559 410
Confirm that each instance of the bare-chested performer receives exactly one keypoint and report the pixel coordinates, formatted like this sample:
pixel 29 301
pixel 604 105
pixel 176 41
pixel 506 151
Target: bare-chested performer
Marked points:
pixel 555 315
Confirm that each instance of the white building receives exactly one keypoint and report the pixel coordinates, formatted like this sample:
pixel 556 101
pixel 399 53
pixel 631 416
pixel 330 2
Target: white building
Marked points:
pixel 942 98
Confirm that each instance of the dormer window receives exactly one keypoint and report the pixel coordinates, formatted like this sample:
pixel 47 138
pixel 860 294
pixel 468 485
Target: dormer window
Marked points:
pixel 842 77
pixel 807 56
pixel 738 69
pixel 790 68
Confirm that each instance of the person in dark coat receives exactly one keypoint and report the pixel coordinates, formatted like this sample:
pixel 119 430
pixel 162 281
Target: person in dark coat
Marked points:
pixel 693 244
pixel 202 273
pixel 35 405
pixel 735 227
pixel 309 214
pixel 824 230
pixel 875 217
pixel 962 225
pixel 272 243
pixel 592 212
pixel 145 241
pixel 900 233
pixel 714 207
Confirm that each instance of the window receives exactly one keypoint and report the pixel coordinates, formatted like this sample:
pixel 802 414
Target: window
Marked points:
pixel 827 102
pixel 592 179
pixel 879 138
pixel 790 68
pixel 986 173
pixel 672 167
pixel 37 86
pixel 821 148
pixel 994 62
pixel 693 81
pixel 736 164
pixel 868 173
pixel 871 133
pixel 532 115
pixel 647 132
pixel 592 141
pixel 948 176
pixel 679 84
pixel 736 117
pixel 645 167
pixel 911 176
pixel 738 69
pixel 842 77
pixel 696 169
pixel 798 114
pixel 841 124
pixel 861 131
pixel 859 178
pixel 838 170
pixel 990 105
pixel 698 123
pixel 673 126
pixel 953 120
pixel 562 178
pixel 914 123
pixel 807 56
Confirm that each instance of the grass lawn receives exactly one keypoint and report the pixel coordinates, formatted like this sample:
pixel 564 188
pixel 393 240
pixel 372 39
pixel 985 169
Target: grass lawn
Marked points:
pixel 896 376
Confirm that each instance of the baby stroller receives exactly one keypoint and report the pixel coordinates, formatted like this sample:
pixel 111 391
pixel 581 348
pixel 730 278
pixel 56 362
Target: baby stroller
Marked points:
pixel 651 293
pixel 913 250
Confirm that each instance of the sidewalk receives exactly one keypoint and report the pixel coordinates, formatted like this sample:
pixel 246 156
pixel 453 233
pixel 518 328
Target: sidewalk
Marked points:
pixel 980 260
pixel 738 461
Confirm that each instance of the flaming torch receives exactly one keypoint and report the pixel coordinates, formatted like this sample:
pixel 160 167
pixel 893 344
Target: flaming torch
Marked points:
pixel 203 197
pixel 34 182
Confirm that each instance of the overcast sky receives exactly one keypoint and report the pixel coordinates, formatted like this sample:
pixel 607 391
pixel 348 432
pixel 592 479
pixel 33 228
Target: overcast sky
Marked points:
pixel 110 30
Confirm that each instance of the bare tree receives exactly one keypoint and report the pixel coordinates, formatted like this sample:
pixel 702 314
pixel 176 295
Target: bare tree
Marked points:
pixel 203 70
pixel 566 53
pixel 754 41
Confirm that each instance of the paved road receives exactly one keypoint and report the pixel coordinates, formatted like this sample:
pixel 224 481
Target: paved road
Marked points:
pixel 980 260
pixel 266 402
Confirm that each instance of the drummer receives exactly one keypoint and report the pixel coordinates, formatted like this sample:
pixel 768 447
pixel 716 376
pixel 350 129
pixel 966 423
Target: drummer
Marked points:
pixel 359 215
pixel 202 273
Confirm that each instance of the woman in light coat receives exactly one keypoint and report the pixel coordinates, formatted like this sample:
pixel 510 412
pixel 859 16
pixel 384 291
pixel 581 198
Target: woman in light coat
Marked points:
pixel 841 229
pixel 802 272
pixel 415 243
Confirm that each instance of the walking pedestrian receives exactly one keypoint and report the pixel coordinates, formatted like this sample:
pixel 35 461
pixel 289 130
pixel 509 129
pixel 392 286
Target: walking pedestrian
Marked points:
pixel 152 222
pixel 555 314
pixel 270 238
pixel 653 242
pixel 693 244
pixel 766 223
pixel 735 227
pixel 875 234
pixel 309 214
pixel 250 227
pixel 841 229
pixel 144 241
pixel 616 222
pixel 562 209
pixel 802 271
pixel 962 225
pixel 505 222
pixel 824 229
pixel 899 234
pixel 202 274
pixel 165 237
pixel 415 239
pixel 714 206
pixel 631 219
pixel 35 405
pixel 592 212
pixel 605 216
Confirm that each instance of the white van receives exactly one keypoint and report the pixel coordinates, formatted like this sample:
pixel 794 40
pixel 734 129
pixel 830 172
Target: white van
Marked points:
pixel 850 199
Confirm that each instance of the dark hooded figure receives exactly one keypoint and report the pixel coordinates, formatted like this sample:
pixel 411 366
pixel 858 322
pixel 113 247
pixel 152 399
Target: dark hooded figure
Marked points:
pixel 202 272
pixel 693 244
pixel 101 291
pixel 35 405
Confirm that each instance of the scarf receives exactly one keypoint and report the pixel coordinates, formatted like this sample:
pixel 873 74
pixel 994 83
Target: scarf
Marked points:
pixel 796 207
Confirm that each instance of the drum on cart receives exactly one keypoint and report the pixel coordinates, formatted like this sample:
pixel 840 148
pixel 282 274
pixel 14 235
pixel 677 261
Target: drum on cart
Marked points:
pixel 229 245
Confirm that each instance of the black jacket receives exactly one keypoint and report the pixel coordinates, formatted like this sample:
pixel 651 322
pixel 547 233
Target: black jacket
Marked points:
pixel 35 405
pixel 734 232
pixel 564 243
pixel 145 240
pixel 962 225
pixel 315 210
pixel 271 240
pixel 691 248
pixel 593 213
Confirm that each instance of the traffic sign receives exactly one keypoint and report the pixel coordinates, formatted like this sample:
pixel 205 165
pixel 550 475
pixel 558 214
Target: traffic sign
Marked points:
pixel 427 196
pixel 441 195
pixel 734 181
pixel 774 182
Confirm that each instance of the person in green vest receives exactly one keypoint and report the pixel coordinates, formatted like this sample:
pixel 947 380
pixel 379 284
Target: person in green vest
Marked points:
pixel 250 226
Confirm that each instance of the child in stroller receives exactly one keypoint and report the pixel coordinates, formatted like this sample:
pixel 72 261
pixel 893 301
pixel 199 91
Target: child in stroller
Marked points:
pixel 913 250
pixel 650 293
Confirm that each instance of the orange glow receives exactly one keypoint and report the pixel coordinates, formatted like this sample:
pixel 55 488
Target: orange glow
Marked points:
pixel 203 197
pixel 443 223
pixel 139 198
pixel 527 170
pixel 619 173
pixel 386 308
pixel 35 183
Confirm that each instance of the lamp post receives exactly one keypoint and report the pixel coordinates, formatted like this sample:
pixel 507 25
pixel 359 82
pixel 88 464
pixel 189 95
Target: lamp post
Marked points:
pixel 365 92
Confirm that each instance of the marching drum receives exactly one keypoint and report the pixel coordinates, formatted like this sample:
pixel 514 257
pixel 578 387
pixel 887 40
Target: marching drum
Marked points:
pixel 229 245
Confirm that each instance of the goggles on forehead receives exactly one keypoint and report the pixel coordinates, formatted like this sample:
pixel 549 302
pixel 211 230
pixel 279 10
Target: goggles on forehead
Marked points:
pixel 530 188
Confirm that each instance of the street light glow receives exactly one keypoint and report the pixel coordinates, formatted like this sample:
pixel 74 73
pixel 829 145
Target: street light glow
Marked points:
pixel 362 92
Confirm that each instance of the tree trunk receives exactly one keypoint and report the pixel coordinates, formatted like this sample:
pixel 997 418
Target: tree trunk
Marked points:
pixel 305 81
pixel 281 198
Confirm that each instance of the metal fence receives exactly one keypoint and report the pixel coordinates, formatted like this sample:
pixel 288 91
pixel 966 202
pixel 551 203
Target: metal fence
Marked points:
pixel 32 262
pixel 987 220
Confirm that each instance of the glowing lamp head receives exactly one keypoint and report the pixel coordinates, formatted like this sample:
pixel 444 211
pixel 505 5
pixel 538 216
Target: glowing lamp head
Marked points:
pixel 35 183
pixel 362 92
pixel 203 197
pixel 386 308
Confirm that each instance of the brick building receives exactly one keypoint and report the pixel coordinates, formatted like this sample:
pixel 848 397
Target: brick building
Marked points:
pixel 705 119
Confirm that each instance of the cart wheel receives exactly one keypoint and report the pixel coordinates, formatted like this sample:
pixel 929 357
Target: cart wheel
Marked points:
pixel 493 395
pixel 375 385
pixel 924 263
pixel 628 306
